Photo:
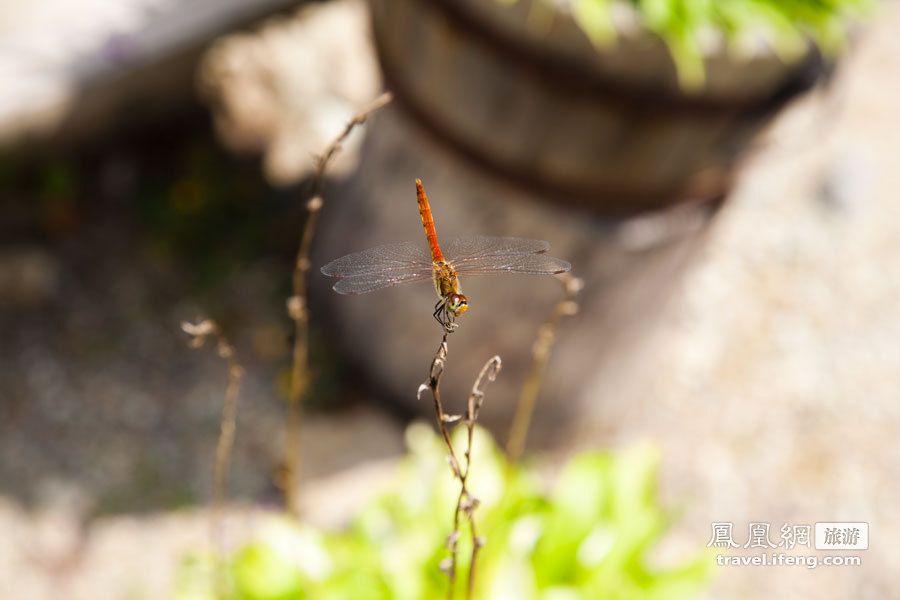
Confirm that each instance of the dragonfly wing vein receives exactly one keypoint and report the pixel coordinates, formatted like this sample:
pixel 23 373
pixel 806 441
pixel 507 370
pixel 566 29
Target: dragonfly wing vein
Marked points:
pixel 389 257
pixel 535 264
pixel 367 282
pixel 461 250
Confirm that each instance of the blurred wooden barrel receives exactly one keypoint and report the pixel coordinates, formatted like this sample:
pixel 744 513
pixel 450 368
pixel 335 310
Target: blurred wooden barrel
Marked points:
pixel 536 134
pixel 610 130
pixel 629 265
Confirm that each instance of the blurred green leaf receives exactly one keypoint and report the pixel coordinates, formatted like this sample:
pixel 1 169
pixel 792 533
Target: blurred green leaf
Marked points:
pixel 588 538
pixel 594 18
pixel 262 573
pixel 787 26
pixel 194 578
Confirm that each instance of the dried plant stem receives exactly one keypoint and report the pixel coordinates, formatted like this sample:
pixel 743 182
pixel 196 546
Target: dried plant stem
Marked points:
pixel 518 431
pixel 297 309
pixel 227 430
pixel 199 332
pixel 358 119
pixel 300 374
pixel 433 383
pixel 466 503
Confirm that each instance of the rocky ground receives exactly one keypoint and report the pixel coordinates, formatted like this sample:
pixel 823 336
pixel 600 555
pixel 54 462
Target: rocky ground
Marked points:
pixel 774 378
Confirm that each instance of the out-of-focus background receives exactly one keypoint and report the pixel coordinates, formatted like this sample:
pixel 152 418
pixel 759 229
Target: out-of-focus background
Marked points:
pixel 727 200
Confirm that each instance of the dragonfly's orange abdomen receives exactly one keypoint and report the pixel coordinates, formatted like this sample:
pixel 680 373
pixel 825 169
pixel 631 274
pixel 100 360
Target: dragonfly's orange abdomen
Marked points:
pixel 428 222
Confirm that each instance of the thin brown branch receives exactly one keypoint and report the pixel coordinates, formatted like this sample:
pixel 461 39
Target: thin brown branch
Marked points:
pixel 297 309
pixel 433 383
pixel 466 503
pixel 199 332
pixel 358 119
pixel 518 431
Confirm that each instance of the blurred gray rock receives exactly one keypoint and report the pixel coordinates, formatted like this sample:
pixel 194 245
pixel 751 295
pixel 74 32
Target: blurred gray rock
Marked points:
pixel 285 90
pixel 73 71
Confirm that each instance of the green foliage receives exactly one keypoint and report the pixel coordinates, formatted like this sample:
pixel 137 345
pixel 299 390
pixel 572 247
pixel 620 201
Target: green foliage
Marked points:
pixel 590 538
pixel 785 25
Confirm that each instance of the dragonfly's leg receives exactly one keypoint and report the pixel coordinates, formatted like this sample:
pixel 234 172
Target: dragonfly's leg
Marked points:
pixel 439 310
pixel 449 321
pixel 443 315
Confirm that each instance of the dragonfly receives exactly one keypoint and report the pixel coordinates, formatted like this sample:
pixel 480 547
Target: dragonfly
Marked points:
pixel 405 262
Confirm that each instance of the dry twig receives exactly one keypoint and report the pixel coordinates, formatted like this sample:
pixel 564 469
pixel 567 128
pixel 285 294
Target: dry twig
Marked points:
pixel 199 332
pixel 300 372
pixel 466 503
pixel 518 431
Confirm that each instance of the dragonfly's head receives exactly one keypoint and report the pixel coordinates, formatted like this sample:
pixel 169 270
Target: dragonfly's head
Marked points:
pixel 457 304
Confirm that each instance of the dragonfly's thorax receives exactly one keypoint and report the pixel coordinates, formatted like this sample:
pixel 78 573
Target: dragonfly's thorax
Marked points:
pixel 452 303
pixel 445 280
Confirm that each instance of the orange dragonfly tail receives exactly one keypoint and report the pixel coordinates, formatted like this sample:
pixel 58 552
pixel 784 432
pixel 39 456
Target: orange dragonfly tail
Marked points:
pixel 428 223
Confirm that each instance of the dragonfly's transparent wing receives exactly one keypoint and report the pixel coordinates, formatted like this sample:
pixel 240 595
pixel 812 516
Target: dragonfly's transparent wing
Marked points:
pixel 533 264
pixel 462 249
pixel 379 267
pixel 367 282
pixel 485 255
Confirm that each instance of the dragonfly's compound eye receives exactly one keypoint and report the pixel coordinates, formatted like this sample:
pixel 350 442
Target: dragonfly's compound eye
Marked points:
pixel 457 304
